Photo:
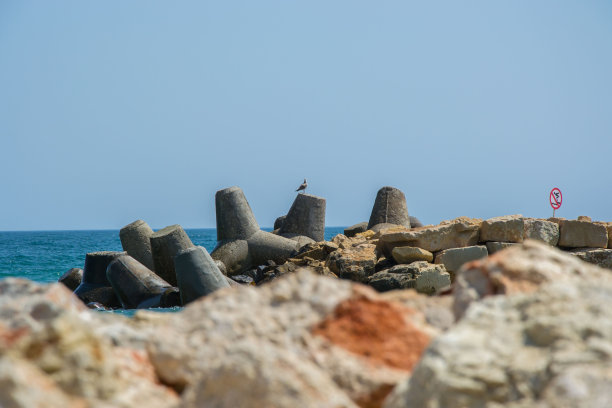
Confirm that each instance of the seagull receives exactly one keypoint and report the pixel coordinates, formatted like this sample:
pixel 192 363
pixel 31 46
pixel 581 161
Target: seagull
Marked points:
pixel 302 186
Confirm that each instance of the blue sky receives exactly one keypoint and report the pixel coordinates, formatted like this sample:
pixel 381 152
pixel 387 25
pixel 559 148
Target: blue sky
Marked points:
pixel 113 111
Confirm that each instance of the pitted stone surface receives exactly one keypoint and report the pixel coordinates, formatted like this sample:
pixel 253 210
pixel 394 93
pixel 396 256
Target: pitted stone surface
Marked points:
pixel 509 228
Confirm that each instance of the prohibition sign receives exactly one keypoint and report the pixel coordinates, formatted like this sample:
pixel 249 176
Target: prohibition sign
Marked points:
pixel 556 198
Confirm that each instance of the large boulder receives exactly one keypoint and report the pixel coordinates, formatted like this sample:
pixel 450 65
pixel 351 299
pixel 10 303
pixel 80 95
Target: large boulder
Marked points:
pixel 520 269
pixel 582 234
pixel 509 228
pixel 302 340
pixel 542 230
pixel 460 232
pixel 598 256
pixel 547 348
pixel 407 254
pixel 422 276
pixel 454 258
pixel 355 263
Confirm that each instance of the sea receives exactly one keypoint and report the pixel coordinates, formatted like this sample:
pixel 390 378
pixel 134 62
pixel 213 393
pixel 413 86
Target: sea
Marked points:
pixel 43 256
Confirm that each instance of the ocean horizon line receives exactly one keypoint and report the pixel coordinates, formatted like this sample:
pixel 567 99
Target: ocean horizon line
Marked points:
pixel 117 229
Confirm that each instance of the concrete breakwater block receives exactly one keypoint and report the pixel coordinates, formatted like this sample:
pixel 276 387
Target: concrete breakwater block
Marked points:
pixel 305 217
pixel 72 278
pixel 241 244
pixel 389 208
pixel 197 274
pixel 356 229
pixel 136 285
pixel 95 287
pixel 136 241
pixel 165 245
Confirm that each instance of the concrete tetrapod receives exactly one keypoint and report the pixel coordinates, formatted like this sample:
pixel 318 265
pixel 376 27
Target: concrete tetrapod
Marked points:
pixel 389 208
pixel 137 286
pixel 166 244
pixel 306 217
pixel 136 241
pixel 241 244
pixel 197 274
pixel 95 287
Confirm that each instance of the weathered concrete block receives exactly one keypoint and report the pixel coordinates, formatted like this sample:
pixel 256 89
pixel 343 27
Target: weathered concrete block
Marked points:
pixel 95 287
pixel 235 219
pixel 493 247
pixel 197 274
pixel 72 278
pixel 598 256
pixel 278 223
pixel 136 241
pixel 460 232
pixel 389 208
pixel 582 234
pixel 166 244
pixel 305 217
pixel 135 284
pixel 509 228
pixel 454 258
pixel 356 229
pixel 542 230
pixel 406 255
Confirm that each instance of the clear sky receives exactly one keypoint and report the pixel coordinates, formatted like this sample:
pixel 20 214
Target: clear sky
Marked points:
pixel 112 111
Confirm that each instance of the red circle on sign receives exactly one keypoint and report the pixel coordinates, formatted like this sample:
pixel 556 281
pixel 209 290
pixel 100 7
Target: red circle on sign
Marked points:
pixel 556 198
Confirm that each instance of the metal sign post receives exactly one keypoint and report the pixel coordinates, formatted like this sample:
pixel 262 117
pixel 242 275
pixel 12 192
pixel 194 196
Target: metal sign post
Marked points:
pixel 556 198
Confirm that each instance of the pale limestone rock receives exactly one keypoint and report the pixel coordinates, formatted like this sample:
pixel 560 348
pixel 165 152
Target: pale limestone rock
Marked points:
pixel 598 256
pixel 522 268
pixel 509 228
pixel 549 348
pixel 406 255
pixel 582 234
pixel 493 247
pixel 542 230
pixel 353 262
pixel 454 258
pixel 456 233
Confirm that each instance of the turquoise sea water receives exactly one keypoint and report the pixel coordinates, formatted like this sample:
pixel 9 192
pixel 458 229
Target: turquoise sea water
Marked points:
pixel 43 256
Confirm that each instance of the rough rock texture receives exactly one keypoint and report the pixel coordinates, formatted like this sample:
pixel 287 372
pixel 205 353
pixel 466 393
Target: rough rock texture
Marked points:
pixel 454 258
pixel 72 278
pixel 45 331
pixel 493 247
pixel 509 228
pixel 456 233
pixel 438 310
pixel 520 269
pixel 356 229
pixel 407 254
pixel 415 222
pixel 288 344
pixel 582 234
pixel 422 276
pixel 609 228
pixel 542 230
pixel 355 263
pixel 597 256
pixel 549 348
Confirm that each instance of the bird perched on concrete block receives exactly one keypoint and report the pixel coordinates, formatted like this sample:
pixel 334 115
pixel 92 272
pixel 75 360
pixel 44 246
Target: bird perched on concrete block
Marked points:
pixel 302 186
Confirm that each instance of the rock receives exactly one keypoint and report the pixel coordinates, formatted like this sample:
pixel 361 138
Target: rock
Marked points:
pixel 407 254
pixel 520 269
pixel 305 217
pixel 542 230
pixel 356 229
pixel 457 233
pixel 597 256
pixel 454 258
pixel 301 345
pixel 493 247
pixel 197 274
pixel 95 287
pixel 136 241
pixel 278 223
pixel 318 250
pixel 389 208
pixel 609 228
pixel 509 228
pixel 344 242
pixel 354 263
pixel 584 218
pixel 415 222
pixel 134 284
pixel 72 278
pixel 165 245
pixel 582 234
pixel 438 310
pixel 546 348
pixel 421 276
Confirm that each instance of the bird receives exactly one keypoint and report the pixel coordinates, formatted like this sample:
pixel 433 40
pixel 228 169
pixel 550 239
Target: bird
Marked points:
pixel 302 186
